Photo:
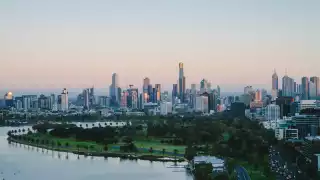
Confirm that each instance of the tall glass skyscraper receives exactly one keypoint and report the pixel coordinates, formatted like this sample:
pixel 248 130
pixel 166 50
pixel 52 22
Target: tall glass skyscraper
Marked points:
pixel 287 86
pixel 305 88
pixel 275 81
pixel 181 82
pixel 315 80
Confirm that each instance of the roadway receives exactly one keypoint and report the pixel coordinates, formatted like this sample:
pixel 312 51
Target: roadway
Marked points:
pixel 282 169
pixel 242 173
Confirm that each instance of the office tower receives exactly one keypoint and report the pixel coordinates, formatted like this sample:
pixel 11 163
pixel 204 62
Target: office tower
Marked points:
pixel 304 88
pixel 287 86
pixel 264 93
pixel 114 91
pixel 124 99
pixel 174 92
pixel 202 104
pixel 59 101
pixel 85 95
pixel 165 108
pixel 275 81
pixel 8 98
pixel 103 101
pixel 92 99
pixel 258 95
pixel 275 85
pixel 272 112
pixel 218 91
pixel 19 103
pixel 64 100
pixel 53 101
pixel 158 88
pixel 146 83
pixel 312 90
pixel 248 90
pixel 181 82
pixel 315 80
pixel 203 86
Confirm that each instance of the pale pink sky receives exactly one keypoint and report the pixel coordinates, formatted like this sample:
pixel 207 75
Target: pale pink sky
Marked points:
pixel 59 44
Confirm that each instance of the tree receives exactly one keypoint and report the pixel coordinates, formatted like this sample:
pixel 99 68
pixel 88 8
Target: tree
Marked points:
pixel 67 146
pixel 105 148
pixel 163 152
pixel 78 148
pixel 175 152
pixel 151 150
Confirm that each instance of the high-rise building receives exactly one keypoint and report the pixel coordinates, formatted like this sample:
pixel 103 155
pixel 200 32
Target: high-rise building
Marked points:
pixel 165 108
pixel 315 80
pixel 258 95
pixel 174 92
pixel 203 86
pixel 85 98
pixel 92 99
pixel 181 82
pixel 272 112
pixel 8 97
pixel 287 86
pixel 103 101
pixel 312 90
pixel 64 100
pixel 202 104
pixel 248 89
pixel 146 89
pixel 305 88
pixel 275 81
pixel 114 90
pixel 158 95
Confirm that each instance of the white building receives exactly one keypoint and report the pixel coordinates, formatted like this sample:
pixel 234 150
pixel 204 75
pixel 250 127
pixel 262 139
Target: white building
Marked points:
pixel 304 104
pixel 64 100
pixel 202 104
pixel 272 112
pixel 165 108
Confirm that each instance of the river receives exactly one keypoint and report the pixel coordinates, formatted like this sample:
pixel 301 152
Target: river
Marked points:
pixel 19 162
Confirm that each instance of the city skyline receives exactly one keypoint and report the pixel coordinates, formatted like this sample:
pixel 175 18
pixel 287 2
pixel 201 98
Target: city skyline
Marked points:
pixel 44 45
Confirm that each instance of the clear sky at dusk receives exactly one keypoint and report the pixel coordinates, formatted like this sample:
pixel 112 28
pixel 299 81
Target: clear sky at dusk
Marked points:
pixel 79 43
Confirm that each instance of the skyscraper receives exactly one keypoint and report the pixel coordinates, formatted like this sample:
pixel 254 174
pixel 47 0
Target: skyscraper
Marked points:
pixel 174 92
pixel 181 82
pixel 114 94
pixel 86 98
pixel 312 90
pixel 158 88
pixel 287 86
pixel 305 88
pixel 315 80
pixel 64 100
pixel 275 81
pixel 203 86
pixel 145 96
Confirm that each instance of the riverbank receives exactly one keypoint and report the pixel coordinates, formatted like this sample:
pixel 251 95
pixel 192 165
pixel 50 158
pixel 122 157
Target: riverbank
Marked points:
pixel 102 153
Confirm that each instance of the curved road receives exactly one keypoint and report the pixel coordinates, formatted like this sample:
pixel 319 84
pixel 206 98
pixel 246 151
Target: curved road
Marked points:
pixel 242 173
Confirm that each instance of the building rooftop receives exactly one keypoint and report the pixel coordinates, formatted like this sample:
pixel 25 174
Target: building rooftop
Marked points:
pixel 216 162
pixel 313 138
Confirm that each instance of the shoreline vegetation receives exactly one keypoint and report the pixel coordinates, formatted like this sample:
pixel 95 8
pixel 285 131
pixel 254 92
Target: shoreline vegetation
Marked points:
pixel 102 153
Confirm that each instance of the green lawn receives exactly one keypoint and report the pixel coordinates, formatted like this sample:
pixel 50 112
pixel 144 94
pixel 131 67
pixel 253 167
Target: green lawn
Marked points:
pixel 155 144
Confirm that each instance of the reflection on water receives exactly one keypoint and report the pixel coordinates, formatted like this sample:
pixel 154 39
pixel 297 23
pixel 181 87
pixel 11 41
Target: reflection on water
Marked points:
pixel 23 162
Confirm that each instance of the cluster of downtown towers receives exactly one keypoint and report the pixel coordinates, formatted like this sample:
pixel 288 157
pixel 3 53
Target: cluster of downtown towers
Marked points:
pixel 131 98
pixel 308 89
pixel 150 94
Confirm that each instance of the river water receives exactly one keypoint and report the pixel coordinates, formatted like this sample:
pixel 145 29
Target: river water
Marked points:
pixel 19 162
